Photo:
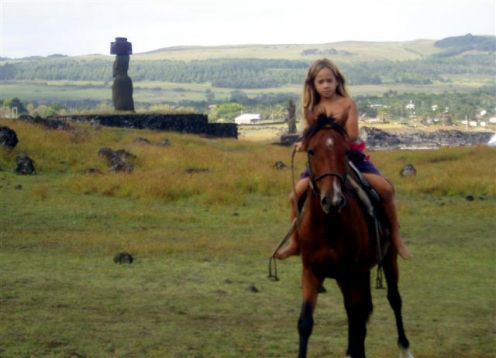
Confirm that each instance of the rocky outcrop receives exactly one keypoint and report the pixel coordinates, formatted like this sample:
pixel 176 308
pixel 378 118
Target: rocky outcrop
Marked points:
pixel 380 139
pixel 119 160
pixel 48 123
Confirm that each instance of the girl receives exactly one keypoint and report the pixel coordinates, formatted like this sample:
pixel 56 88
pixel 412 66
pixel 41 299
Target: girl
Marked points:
pixel 325 92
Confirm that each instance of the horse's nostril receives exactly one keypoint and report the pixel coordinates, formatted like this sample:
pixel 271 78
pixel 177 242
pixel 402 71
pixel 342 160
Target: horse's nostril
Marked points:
pixel 338 201
pixel 325 203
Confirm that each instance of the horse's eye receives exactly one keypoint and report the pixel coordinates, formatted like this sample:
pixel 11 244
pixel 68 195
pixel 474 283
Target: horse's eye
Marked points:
pixel 311 152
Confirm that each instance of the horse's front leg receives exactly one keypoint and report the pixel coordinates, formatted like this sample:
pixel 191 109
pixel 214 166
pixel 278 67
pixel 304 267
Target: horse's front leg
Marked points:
pixel 358 304
pixel 310 284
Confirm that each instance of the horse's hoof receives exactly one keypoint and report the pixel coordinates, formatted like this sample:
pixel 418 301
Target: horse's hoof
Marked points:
pixel 405 353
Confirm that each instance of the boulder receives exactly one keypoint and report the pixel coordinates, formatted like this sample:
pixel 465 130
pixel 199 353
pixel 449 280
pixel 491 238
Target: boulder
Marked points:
pixel 141 140
pixel 408 170
pixel 119 160
pixel 25 165
pixel 123 258
pixel 279 165
pixel 164 143
pixel 8 137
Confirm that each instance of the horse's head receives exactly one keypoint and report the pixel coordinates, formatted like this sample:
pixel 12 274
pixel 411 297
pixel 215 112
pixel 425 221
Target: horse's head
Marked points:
pixel 326 143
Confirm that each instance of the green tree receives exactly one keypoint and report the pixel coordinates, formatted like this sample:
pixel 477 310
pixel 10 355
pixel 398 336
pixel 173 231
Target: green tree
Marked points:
pixel 229 111
pixel 16 102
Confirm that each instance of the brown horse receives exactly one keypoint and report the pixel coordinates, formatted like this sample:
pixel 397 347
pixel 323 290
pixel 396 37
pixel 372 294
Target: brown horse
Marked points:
pixel 336 242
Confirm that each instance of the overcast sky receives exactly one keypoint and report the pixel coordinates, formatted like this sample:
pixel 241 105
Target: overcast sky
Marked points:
pixel 75 27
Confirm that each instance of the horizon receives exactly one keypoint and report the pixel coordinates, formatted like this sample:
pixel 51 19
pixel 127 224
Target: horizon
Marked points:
pixel 166 48
pixel 83 27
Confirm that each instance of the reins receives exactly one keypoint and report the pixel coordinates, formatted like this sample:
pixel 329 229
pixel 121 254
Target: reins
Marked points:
pixel 273 261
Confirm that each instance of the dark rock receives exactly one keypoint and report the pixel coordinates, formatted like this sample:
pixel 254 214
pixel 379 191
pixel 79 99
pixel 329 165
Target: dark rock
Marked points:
pixel 179 122
pixel 469 198
pixel 48 123
pixel 119 160
pixel 93 171
pixel 25 117
pixel 196 170
pixel 25 165
pixel 253 289
pixel 124 154
pixel 107 153
pixel 377 138
pixel 164 142
pixel 289 139
pixel 141 140
pixel 8 137
pixel 408 170
pixel 279 165
pixel 123 258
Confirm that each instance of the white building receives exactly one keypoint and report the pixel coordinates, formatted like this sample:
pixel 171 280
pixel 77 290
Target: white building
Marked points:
pixel 247 118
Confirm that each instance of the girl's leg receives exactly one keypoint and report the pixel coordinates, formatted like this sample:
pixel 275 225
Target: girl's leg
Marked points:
pixel 293 247
pixel 386 191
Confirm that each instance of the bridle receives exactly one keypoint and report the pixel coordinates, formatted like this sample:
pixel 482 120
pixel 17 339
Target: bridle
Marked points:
pixel 314 179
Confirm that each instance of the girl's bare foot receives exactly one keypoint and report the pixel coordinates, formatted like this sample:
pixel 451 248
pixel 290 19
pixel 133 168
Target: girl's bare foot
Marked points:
pixel 290 250
pixel 403 251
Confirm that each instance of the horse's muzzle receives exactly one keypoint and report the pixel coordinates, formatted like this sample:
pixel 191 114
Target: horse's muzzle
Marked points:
pixel 334 204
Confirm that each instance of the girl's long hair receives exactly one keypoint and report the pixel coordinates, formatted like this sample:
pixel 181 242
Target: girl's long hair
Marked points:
pixel 310 96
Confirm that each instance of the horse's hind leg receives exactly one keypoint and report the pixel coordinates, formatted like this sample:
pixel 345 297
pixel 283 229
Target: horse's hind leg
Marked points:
pixel 311 284
pixel 390 266
pixel 358 304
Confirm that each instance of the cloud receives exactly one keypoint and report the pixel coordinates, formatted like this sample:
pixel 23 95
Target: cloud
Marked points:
pixel 74 27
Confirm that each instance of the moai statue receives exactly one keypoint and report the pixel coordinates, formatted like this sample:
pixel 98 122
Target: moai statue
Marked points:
pixel 122 89
pixel 291 117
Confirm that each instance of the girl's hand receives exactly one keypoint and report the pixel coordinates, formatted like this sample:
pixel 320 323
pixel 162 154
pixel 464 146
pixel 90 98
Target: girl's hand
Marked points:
pixel 298 146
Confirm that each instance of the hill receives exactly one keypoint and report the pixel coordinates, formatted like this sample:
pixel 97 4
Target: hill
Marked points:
pixel 270 74
pixel 459 44
pixel 354 51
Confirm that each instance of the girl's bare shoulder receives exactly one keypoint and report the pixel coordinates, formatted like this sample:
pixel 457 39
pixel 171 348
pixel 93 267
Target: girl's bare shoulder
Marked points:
pixel 347 102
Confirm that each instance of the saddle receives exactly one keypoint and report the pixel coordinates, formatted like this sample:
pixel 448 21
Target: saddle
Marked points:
pixel 371 204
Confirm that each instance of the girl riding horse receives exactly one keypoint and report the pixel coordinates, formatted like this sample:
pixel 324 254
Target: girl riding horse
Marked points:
pixel 325 93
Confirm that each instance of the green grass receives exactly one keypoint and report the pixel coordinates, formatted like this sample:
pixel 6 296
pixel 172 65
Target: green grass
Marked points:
pixel 201 242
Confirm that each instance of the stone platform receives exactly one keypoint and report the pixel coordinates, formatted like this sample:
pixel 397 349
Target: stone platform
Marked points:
pixel 184 123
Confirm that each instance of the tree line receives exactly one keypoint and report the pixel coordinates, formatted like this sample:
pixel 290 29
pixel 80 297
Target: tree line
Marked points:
pixel 454 106
pixel 250 73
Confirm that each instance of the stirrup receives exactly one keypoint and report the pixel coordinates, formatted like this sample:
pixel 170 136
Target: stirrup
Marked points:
pixel 273 273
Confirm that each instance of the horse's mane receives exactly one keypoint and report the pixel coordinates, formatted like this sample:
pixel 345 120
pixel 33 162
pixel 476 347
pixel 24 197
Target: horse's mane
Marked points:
pixel 322 121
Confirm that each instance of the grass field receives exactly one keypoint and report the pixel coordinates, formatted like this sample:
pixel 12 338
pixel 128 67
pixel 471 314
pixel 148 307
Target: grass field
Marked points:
pixel 198 286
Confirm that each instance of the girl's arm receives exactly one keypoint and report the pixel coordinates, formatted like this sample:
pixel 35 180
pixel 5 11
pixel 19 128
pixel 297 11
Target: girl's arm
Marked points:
pixel 351 125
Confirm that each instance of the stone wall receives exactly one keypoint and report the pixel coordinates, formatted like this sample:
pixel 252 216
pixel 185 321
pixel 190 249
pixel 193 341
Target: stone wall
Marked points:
pixel 183 123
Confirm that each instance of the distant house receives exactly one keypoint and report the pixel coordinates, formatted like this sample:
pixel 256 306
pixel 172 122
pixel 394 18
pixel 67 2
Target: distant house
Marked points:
pixel 247 118
pixel 410 106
